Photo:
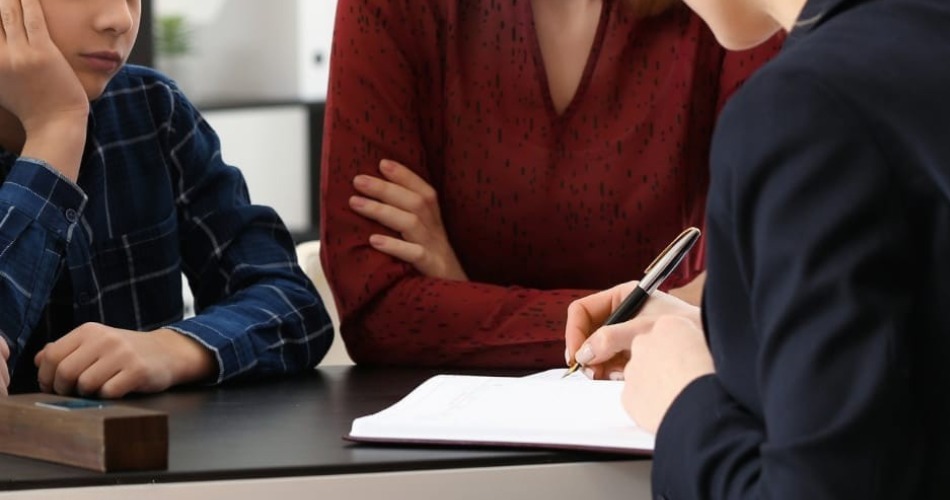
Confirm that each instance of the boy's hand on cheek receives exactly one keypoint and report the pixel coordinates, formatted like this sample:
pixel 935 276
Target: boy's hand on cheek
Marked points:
pixel 98 360
pixel 40 88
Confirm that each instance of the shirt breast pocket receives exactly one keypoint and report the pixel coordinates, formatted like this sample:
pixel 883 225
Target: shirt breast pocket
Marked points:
pixel 139 277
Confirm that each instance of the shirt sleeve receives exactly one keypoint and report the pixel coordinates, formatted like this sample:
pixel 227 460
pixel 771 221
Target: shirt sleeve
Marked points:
pixel 255 308
pixel 39 210
pixel 390 314
pixel 813 237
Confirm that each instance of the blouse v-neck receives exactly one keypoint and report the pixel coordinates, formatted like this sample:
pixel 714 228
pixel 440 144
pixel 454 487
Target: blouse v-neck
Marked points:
pixel 589 65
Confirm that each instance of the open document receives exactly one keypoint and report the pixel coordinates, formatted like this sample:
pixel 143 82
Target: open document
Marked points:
pixel 541 411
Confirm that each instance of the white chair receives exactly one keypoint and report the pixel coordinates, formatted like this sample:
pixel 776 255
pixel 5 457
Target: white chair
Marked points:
pixel 308 254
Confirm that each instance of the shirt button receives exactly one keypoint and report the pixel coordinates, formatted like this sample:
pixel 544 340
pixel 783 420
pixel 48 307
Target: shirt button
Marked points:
pixel 71 215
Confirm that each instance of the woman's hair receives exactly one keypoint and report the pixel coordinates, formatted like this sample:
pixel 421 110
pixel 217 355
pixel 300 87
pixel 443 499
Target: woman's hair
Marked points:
pixel 649 8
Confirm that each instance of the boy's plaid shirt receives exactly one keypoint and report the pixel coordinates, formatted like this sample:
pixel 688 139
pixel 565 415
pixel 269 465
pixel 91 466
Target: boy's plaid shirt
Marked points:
pixel 154 199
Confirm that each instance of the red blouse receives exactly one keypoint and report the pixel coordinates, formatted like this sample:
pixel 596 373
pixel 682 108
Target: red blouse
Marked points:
pixel 540 208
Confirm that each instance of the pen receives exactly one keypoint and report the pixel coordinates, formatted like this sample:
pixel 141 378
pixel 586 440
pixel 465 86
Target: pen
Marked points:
pixel 658 270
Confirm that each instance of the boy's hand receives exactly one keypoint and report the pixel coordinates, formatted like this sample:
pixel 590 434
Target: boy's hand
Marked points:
pixel 40 88
pixel 108 362
pixel 4 369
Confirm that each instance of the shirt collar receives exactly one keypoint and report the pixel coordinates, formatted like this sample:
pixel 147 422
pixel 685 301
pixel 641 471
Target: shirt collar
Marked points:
pixel 814 14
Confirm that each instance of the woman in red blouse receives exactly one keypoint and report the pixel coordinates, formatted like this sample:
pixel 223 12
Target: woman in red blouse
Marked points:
pixel 486 162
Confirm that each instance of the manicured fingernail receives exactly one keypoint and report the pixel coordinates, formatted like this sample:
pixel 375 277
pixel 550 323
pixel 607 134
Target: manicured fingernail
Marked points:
pixel 376 240
pixel 361 181
pixel 615 376
pixel 387 166
pixel 589 373
pixel 584 355
pixel 567 357
pixel 357 201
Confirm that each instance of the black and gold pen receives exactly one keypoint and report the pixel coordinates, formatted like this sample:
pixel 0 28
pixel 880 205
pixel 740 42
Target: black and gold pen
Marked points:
pixel 653 277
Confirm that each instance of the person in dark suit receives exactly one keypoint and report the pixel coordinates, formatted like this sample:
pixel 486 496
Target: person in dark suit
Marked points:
pixel 823 372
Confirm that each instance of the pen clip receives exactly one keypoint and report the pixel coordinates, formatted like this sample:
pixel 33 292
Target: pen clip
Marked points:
pixel 668 259
pixel 686 233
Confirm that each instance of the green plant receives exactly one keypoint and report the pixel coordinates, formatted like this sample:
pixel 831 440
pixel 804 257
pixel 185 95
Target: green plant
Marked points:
pixel 172 36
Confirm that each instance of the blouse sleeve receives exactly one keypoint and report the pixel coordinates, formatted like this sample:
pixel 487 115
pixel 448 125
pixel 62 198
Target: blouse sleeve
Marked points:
pixel 389 313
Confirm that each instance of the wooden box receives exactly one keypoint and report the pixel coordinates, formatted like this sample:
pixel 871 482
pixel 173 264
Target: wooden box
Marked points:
pixel 99 435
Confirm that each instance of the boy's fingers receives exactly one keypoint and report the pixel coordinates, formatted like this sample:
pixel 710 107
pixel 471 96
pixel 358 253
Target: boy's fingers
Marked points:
pixel 11 20
pixel 34 22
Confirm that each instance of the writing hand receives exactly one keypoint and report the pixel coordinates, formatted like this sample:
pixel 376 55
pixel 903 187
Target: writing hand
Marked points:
pixel 4 368
pixel 38 86
pixel 95 359
pixel 604 350
pixel 407 204
pixel 666 354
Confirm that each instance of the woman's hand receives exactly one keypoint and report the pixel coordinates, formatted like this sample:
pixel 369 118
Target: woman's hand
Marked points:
pixel 407 204
pixel 604 350
pixel 666 354
pixel 38 86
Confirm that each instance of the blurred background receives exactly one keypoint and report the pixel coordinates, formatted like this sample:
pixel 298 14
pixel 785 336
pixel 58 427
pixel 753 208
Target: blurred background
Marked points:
pixel 258 72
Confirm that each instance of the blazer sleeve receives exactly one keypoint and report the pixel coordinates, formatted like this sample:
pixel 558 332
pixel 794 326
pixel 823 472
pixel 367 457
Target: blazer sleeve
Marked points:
pixel 814 217
pixel 390 313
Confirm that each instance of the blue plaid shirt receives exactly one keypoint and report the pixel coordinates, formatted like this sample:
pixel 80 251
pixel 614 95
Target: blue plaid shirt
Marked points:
pixel 153 199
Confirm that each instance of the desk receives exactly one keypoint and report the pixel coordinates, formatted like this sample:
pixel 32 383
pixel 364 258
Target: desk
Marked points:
pixel 282 440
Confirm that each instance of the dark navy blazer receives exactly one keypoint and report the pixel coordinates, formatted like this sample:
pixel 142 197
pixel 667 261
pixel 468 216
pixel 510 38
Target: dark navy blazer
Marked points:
pixel 827 305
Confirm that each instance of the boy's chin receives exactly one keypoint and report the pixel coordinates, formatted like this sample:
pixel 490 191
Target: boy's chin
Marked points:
pixel 94 87
pixel 94 93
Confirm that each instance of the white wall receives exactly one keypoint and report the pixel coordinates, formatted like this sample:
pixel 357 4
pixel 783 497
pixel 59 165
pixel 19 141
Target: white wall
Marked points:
pixel 271 147
pixel 253 49
pixel 259 51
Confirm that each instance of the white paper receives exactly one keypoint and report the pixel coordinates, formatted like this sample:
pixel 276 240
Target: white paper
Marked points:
pixel 540 410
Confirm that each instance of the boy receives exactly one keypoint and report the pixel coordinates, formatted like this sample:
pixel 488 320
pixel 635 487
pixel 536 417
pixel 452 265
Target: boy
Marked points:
pixel 114 186
pixel 822 373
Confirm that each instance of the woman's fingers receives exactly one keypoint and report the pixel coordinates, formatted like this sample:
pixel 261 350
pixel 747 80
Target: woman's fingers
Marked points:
pixel 397 196
pixel 406 223
pixel 400 249
pixel 609 341
pixel 588 313
pixel 401 175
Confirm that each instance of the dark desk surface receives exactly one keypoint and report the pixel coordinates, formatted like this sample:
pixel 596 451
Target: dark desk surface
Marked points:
pixel 281 428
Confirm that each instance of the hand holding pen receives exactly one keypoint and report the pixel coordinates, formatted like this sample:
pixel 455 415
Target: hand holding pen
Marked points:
pixel 602 353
